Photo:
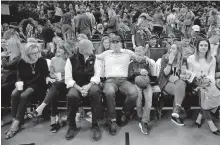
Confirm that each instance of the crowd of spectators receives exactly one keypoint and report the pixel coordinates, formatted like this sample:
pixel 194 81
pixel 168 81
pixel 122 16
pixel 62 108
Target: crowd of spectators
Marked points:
pixel 96 49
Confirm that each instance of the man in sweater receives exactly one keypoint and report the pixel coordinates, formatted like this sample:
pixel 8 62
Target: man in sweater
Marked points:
pixel 84 24
pixel 82 78
pixel 116 62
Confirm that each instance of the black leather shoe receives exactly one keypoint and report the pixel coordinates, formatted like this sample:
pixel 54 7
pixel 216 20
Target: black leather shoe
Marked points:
pixel 123 120
pixel 198 125
pixel 96 133
pixel 217 132
pixel 113 127
pixel 71 132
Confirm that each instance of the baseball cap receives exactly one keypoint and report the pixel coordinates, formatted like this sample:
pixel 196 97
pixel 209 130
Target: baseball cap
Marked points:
pixel 115 38
pixel 196 28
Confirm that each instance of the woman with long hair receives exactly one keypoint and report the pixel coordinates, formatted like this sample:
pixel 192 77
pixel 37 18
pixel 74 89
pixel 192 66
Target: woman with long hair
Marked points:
pixel 104 45
pixel 31 75
pixel 170 82
pixel 58 87
pixel 203 65
pixel 9 59
pixel 217 74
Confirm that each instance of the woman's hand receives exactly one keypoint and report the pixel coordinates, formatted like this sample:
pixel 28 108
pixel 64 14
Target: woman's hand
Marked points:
pixel 50 80
pixel 171 58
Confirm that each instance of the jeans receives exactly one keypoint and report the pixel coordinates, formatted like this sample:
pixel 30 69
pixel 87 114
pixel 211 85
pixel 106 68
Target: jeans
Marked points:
pixel 111 86
pixel 74 97
pixel 19 101
pixel 144 113
pixel 57 89
pixel 177 89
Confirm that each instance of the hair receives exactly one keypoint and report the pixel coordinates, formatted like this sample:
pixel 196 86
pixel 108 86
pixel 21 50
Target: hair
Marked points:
pixel 27 49
pixel 14 47
pixel 218 54
pixel 101 46
pixel 179 57
pixel 67 52
pixel 208 55
pixel 82 35
pixel 111 13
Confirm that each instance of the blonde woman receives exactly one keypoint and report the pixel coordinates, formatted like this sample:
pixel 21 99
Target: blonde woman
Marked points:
pixel 32 72
pixel 57 88
pixel 104 45
pixel 9 59
pixel 203 65
pixel 170 82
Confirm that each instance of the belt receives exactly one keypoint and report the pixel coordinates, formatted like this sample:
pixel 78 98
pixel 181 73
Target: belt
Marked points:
pixel 123 78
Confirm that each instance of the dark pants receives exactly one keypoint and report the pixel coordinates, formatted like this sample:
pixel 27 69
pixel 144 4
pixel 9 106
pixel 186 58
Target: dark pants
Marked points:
pixel 74 97
pixel 18 103
pixel 57 89
pixel 112 85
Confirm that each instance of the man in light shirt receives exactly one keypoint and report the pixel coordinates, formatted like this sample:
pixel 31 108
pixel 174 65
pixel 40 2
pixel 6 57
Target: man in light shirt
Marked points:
pixel 82 76
pixel 116 63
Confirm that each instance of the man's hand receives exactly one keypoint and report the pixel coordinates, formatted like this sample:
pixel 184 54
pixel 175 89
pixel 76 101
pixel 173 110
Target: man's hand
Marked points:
pixel 144 72
pixel 85 89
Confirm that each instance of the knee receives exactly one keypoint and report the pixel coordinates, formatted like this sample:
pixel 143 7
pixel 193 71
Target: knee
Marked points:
pixel 132 93
pixel 182 84
pixel 95 91
pixel 72 95
pixel 15 93
pixel 109 91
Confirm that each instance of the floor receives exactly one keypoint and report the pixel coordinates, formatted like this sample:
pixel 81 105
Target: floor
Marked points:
pixel 163 132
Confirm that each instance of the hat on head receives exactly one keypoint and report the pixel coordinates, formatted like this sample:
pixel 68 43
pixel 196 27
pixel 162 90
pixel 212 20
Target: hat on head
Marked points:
pixel 85 44
pixel 115 38
pixel 144 15
pixel 196 28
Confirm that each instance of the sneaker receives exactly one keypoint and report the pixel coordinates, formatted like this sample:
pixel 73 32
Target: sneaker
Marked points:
pixel 55 127
pixel 113 127
pixel 176 111
pixel 96 133
pixel 144 127
pixel 71 132
pixel 177 121
pixel 124 120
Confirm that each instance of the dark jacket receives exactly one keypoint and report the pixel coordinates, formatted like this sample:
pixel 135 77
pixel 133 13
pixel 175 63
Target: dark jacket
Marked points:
pixel 82 71
pixel 9 69
pixel 30 79
pixel 112 26
pixel 135 67
pixel 163 78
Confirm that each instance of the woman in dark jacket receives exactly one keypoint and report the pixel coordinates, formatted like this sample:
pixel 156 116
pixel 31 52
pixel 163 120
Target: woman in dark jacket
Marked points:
pixel 170 82
pixel 32 73
pixel 9 68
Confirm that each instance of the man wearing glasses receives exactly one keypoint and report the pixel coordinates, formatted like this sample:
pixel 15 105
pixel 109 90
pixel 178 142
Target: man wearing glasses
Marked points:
pixel 116 62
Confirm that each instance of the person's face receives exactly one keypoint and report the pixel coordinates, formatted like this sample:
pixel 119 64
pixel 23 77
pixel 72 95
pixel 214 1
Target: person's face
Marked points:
pixel 173 49
pixel 139 53
pixel 116 46
pixel 59 52
pixel 70 6
pixel 106 44
pixel 170 39
pixel 88 51
pixel 34 55
pixel 79 38
pixel 140 20
pixel 203 47
pixel 153 41
pixel 186 41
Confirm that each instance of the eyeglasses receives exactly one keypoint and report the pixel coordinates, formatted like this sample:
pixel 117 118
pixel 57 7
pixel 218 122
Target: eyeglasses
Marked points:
pixel 115 42
pixel 34 53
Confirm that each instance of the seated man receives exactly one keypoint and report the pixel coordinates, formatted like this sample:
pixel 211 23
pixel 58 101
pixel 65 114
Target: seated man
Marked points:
pixel 116 62
pixel 138 73
pixel 82 78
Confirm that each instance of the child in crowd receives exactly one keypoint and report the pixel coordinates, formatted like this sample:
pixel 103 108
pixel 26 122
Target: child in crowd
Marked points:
pixel 139 71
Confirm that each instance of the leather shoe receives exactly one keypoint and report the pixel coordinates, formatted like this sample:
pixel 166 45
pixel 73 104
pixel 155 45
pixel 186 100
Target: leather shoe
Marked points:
pixel 217 132
pixel 71 132
pixel 96 133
